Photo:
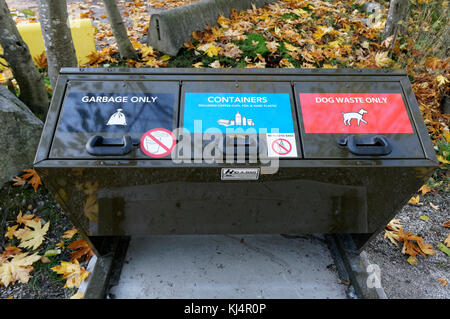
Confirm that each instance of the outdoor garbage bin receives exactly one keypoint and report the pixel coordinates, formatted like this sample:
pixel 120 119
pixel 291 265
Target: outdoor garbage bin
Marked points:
pixel 206 151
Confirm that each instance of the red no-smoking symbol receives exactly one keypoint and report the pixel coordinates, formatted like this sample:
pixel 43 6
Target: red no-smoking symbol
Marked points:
pixel 281 146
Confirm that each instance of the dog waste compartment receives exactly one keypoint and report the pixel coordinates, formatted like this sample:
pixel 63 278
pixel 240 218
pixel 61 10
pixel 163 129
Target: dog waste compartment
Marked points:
pixel 349 119
pixel 110 150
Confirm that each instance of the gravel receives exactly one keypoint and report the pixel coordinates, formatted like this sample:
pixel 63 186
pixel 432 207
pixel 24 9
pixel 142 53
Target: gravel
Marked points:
pixel 402 280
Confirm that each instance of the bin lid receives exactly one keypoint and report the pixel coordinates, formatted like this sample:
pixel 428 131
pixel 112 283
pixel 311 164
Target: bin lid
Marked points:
pixel 356 119
pixel 110 112
pixel 258 115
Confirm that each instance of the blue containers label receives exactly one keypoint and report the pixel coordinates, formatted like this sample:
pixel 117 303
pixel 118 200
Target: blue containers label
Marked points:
pixel 222 111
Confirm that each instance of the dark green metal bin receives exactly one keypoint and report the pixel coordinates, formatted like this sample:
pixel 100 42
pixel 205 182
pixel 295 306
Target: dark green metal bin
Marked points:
pixel 336 172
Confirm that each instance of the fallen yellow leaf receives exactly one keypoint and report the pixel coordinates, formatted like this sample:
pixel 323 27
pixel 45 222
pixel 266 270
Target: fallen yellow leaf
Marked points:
pixel 394 224
pixel 412 260
pixel 382 59
pixel 17 268
pixel 32 238
pixel 11 231
pixel 69 233
pixel 198 65
pixel 442 159
pixel 447 241
pixel 78 295
pixel 392 236
pixel 290 47
pixel 414 200
pixel 442 80
pixel 73 272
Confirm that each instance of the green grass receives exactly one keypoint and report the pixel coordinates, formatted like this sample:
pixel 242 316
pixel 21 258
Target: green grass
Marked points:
pixel 252 46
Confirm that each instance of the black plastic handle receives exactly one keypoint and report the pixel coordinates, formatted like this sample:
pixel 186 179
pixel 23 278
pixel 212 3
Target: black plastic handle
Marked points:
pixel 370 146
pixel 100 146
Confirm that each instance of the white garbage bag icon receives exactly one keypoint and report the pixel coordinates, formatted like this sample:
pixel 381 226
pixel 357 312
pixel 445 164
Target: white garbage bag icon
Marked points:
pixel 117 118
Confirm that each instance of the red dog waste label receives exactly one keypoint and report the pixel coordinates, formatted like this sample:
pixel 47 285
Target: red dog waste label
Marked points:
pixel 354 113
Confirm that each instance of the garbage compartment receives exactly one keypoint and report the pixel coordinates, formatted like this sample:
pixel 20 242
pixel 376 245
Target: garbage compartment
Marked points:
pixel 205 151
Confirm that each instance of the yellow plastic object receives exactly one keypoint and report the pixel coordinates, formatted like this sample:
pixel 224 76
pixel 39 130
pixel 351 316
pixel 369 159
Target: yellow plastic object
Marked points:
pixel 82 36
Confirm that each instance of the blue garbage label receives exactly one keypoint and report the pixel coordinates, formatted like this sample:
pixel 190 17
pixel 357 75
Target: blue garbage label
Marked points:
pixel 225 111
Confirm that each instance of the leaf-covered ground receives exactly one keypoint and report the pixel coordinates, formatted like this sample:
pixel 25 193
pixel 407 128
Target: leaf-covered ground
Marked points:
pixel 43 282
pixel 293 34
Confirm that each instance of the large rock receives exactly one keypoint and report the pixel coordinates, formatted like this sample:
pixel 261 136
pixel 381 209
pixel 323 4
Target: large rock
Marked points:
pixel 169 29
pixel 20 132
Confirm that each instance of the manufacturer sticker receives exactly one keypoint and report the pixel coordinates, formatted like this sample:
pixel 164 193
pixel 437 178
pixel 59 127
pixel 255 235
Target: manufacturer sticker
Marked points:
pixel 240 173
pixel 158 142
pixel 354 113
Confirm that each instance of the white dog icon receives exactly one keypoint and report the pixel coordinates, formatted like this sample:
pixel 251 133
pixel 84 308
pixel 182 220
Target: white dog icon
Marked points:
pixel 354 115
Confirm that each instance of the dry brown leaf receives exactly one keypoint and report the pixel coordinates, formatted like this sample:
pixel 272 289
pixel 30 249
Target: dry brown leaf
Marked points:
pixel 83 250
pixel 41 61
pixel 18 181
pixel 425 189
pixel 435 207
pixel 11 251
pixel 443 282
pixel 410 248
pixel 446 224
pixel 23 219
pixel 33 178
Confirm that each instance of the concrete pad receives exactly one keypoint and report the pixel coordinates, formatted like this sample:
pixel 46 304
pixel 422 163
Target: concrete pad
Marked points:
pixel 228 266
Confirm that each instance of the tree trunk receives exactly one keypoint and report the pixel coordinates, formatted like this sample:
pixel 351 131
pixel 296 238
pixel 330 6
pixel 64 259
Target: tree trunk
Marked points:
pixel 57 37
pixel 31 83
pixel 398 11
pixel 126 50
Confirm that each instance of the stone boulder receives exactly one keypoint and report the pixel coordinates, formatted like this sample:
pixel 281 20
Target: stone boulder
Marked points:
pixel 20 132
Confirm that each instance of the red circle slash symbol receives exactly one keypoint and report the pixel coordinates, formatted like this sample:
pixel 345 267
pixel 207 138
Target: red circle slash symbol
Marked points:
pixel 158 142
pixel 281 146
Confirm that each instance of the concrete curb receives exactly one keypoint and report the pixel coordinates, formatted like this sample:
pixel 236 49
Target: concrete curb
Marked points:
pixel 356 268
pixel 169 29
pixel 105 269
